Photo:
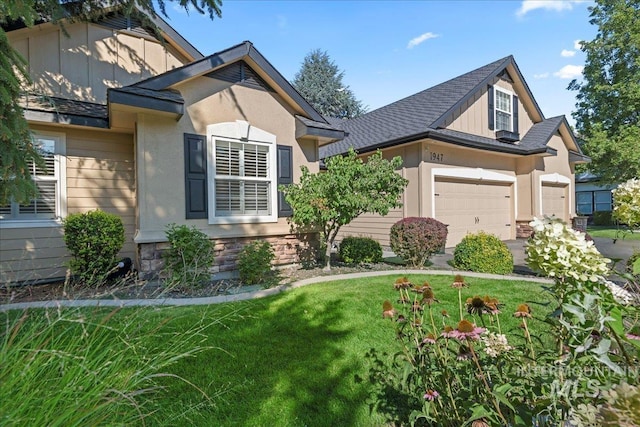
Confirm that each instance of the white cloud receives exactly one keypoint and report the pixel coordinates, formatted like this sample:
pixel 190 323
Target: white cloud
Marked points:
pixel 541 76
pixel 577 44
pixel 555 5
pixel 569 72
pixel 567 53
pixel 421 39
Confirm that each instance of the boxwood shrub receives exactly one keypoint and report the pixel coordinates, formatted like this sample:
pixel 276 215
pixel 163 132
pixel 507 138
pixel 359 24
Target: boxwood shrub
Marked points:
pixel 416 239
pixel 94 239
pixel 357 250
pixel 483 253
pixel 254 262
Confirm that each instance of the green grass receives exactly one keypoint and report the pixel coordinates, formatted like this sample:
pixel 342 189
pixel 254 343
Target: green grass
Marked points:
pixel 611 232
pixel 294 359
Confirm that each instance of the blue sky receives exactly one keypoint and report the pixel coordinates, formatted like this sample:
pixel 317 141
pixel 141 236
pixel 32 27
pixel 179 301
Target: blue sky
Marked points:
pixel 392 49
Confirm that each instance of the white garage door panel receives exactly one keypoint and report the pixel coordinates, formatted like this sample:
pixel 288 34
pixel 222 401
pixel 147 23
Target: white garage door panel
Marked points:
pixel 554 201
pixel 469 207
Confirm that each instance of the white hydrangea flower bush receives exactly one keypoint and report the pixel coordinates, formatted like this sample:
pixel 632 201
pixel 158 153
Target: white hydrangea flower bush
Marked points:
pixel 626 203
pixel 560 252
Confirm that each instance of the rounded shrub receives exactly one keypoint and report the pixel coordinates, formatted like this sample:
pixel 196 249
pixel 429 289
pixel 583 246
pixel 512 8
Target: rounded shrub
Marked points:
pixel 483 253
pixel 254 262
pixel 357 250
pixel 416 239
pixel 94 239
pixel 189 258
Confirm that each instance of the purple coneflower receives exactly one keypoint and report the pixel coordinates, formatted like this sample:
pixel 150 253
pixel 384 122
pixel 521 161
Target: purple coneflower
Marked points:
pixel 431 395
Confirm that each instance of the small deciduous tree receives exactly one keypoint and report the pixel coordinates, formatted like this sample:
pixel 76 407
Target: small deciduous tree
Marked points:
pixel 350 187
pixel 320 82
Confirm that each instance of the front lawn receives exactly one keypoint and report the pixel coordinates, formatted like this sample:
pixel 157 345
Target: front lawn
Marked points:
pixel 294 359
pixel 612 232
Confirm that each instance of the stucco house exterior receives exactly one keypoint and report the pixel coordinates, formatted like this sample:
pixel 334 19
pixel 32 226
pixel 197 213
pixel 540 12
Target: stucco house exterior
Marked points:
pixel 156 133
pixel 478 153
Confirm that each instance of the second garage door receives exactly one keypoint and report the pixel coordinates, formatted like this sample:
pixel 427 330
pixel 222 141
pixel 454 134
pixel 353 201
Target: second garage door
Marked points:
pixel 472 206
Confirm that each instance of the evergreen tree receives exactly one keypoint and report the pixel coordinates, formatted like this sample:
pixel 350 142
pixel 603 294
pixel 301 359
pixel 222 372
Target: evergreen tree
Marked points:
pixel 320 82
pixel 608 107
pixel 16 145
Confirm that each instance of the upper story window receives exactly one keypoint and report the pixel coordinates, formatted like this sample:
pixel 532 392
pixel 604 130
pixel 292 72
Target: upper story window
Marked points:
pixel 242 171
pixel 503 111
pixel 50 204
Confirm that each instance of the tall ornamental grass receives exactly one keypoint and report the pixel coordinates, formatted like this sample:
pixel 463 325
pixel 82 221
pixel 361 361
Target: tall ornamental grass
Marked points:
pixel 67 367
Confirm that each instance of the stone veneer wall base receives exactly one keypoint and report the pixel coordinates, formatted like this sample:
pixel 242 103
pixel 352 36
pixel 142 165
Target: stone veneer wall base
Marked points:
pixel 288 249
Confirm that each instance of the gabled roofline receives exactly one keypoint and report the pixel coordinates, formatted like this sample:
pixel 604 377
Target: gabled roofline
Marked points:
pixel 180 41
pixel 509 60
pixel 228 56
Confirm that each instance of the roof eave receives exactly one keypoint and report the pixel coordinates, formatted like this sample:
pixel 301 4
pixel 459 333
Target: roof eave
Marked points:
pixel 65 119
pixel 578 158
pixel 116 96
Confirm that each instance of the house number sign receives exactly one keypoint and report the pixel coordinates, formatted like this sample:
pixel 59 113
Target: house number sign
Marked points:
pixel 436 157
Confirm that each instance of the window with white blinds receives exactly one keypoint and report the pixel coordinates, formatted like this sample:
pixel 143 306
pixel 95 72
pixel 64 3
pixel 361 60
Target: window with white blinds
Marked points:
pixel 243 179
pixel 47 204
pixel 504 114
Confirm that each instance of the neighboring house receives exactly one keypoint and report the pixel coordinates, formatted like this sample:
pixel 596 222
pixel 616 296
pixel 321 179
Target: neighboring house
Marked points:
pixel 478 154
pixel 158 134
pixel 593 196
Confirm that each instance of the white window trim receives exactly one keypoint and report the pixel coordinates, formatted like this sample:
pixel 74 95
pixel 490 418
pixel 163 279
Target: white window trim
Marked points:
pixel 497 89
pixel 472 174
pixel 556 178
pixel 60 160
pixel 242 132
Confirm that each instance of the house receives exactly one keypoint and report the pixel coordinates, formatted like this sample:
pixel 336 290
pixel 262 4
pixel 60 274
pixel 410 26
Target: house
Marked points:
pixel 592 195
pixel 478 153
pixel 156 133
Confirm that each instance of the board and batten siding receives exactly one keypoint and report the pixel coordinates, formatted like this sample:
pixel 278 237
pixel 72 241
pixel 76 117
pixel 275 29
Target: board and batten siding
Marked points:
pixel 92 59
pixel 100 175
pixel 473 116
pixel 374 226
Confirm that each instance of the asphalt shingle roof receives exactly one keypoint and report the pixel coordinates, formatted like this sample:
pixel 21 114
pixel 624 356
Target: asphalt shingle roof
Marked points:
pixel 421 116
pixel 412 115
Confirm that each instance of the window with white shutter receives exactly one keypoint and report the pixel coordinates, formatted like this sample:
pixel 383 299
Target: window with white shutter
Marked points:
pixel 243 177
pixel 49 179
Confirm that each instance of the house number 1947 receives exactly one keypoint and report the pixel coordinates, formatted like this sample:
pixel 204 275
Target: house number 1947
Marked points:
pixel 436 157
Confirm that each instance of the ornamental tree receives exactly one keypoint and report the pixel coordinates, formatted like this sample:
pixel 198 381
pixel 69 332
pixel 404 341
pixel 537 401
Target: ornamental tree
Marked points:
pixel 350 187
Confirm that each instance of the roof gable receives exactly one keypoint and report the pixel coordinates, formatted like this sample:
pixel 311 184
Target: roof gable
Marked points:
pixel 262 73
pixel 420 115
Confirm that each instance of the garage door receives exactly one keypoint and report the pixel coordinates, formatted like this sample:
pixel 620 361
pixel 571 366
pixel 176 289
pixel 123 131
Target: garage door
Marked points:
pixel 554 200
pixel 471 206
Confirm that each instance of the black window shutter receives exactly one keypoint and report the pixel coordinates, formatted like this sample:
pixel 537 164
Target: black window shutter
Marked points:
pixel 515 114
pixel 491 113
pixel 195 175
pixel 285 176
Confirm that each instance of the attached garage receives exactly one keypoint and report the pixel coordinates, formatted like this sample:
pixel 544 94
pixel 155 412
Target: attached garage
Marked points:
pixel 473 200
